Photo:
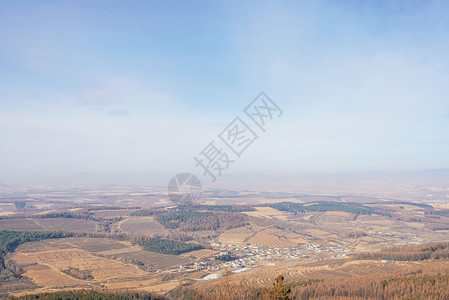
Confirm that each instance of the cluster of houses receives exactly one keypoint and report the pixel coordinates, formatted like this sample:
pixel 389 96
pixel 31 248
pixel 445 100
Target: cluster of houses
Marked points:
pixel 248 256
pixel 253 253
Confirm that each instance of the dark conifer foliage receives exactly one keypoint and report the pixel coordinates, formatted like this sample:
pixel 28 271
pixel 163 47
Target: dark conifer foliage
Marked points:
pixel 409 253
pixel 168 246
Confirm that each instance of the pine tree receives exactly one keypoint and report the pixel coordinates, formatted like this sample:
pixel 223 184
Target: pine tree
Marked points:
pixel 279 291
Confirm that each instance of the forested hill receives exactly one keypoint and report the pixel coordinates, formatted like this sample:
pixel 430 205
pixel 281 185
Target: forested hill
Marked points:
pixel 409 253
pixel 322 206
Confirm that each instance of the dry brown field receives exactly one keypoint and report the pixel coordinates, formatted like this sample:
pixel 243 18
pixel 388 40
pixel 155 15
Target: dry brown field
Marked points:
pixel 153 260
pixel 334 217
pixel 19 224
pixel 236 236
pixel 264 239
pixel 44 275
pixel 45 260
pixel 266 212
pixel 113 213
pixel 54 224
pixel 102 269
pixel 97 244
pixel 141 225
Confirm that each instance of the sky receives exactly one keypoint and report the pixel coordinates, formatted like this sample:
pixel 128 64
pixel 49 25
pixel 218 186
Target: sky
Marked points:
pixel 144 86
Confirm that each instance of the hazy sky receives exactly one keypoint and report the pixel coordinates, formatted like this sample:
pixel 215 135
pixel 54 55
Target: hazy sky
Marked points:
pixel 143 86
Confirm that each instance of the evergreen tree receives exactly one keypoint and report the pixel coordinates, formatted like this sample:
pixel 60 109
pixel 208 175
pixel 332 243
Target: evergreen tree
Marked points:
pixel 279 291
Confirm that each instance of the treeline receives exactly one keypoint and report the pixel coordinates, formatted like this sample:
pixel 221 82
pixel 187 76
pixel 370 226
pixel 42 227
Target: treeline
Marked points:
pixel 115 236
pixel 412 286
pixel 439 212
pixel 66 215
pixel 223 208
pixel 422 205
pixel 82 214
pixel 408 253
pixel 103 224
pixel 146 212
pixel 176 220
pixel 96 208
pixel 79 274
pixel 178 236
pixel 142 213
pixel 90 295
pixel 225 257
pixel 167 246
pixel 195 221
pixel 195 209
pixel 9 240
pixel 85 215
pixel 323 206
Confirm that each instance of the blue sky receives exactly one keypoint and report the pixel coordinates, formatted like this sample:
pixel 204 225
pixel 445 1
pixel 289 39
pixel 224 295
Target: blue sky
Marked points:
pixel 143 86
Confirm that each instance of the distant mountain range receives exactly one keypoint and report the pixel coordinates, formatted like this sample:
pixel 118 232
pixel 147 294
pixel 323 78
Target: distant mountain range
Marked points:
pixel 430 174
pixel 229 180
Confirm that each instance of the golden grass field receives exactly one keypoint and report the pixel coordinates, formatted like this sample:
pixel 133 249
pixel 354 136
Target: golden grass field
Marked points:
pixel 236 236
pixel 113 213
pixel 441 206
pixel 45 260
pixel 102 269
pixel 264 239
pixel 266 212
pixel 44 275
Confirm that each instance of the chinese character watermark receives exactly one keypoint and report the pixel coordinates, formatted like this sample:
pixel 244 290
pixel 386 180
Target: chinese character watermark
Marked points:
pixel 214 160
pixel 238 136
pixel 262 109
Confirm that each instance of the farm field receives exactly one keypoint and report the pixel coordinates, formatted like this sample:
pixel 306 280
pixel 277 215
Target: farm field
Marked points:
pixel 334 217
pixel 155 261
pixel 238 236
pixel 19 224
pixel 266 212
pixel 46 261
pixel 61 224
pixel 305 239
pixel 102 269
pixel 265 239
pixel 140 225
pixel 45 275
pixel 115 213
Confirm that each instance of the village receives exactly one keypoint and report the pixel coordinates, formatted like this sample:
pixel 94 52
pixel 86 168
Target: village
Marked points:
pixel 231 256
